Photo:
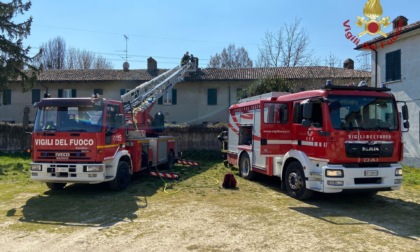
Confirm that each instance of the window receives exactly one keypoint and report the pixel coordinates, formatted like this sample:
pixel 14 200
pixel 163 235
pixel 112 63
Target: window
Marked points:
pixel 393 66
pixel 36 95
pixel 168 98
pixel 111 112
pixel 316 116
pixel 275 113
pixel 7 96
pixel 212 96
pixel 98 91
pixel 66 93
pixel 297 112
pixel 123 91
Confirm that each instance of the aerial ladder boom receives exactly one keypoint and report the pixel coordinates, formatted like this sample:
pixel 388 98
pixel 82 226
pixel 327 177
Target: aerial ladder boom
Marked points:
pixel 145 95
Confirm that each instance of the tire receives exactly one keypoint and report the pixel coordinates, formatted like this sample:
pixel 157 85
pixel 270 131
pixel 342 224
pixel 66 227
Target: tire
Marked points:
pixel 245 167
pixel 123 177
pixel 56 186
pixel 295 182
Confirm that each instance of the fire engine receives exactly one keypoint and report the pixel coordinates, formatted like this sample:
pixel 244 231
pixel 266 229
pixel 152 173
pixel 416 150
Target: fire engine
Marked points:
pixel 335 139
pixel 94 140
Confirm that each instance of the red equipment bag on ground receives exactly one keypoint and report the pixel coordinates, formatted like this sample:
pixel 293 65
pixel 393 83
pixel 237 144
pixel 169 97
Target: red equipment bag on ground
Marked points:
pixel 229 181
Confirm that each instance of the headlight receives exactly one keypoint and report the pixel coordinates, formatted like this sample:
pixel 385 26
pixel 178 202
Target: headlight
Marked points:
pixel 334 173
pixel 94 168
pixel 36 167
pixel 398 172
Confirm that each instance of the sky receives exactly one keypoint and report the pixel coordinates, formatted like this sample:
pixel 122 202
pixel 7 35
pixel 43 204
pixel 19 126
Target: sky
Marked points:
pixel 166 29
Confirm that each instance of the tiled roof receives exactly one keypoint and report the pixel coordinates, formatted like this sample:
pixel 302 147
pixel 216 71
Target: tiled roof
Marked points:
pixel 403 30
pixel 206 74
pixel 314 72
pixel 97 75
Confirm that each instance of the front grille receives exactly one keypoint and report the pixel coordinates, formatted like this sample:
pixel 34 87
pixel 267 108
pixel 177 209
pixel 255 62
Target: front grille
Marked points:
pixel 364 165
pixel 360 181
pixel 62 155
pixel 366 150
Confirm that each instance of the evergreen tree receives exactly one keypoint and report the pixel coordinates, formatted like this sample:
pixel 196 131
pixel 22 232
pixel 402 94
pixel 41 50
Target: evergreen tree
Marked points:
pixel 15 64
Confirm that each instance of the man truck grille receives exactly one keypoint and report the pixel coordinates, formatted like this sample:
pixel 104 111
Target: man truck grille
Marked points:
pixel 366 150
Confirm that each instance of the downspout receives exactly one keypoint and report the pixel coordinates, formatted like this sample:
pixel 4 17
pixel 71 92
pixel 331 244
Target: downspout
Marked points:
pixel 376 68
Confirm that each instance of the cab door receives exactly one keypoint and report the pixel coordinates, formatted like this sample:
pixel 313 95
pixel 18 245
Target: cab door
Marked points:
pixel 310 127
pixel 114 133
pixel 276 133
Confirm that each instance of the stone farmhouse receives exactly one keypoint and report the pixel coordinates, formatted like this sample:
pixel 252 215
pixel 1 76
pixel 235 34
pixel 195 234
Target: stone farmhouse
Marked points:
pixel 203 97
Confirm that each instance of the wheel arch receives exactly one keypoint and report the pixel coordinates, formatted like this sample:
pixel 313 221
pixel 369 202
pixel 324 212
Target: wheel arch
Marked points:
pixel 299 156
pixel 111 165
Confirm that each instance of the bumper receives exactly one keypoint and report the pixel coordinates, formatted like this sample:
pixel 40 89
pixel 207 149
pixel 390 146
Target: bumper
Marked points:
pixel 68 173
pixel 368 178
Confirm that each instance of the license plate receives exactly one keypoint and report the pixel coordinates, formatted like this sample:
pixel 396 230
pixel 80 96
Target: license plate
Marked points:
pixel 371 173
pixel 61 169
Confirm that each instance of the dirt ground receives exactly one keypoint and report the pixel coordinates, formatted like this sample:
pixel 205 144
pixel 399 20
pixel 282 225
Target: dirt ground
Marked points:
pixel 213 219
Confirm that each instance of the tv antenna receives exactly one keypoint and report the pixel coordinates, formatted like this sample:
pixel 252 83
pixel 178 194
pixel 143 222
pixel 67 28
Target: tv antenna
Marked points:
pixel 125 64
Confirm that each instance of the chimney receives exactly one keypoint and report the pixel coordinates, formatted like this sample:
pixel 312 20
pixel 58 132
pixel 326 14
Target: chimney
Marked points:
pixel 399 21
pixel 151 65
pixel 348 64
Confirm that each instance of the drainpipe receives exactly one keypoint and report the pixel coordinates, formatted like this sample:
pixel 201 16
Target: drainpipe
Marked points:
pixel 376 68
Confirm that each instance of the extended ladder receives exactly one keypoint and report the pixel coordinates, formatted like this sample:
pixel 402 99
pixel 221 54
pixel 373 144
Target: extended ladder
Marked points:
pixel 146 94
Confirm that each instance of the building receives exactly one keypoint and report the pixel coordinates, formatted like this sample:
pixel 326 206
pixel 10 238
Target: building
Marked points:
pixel 395 62
pixel 203 97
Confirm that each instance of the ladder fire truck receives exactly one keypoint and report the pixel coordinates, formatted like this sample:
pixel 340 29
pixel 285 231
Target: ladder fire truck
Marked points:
pixel 335 139
pixel 95 140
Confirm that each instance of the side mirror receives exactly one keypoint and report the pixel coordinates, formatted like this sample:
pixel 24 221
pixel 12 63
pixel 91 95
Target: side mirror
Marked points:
pixel 407 124
pixel 405 112
pixel 307 110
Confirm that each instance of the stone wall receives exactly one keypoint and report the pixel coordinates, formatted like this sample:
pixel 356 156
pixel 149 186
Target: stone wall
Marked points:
pixel 14 137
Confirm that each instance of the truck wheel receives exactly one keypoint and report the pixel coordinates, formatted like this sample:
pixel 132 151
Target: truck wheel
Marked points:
pixel 245 167
pixel 295 182
pixel 56 186
pixel 123 178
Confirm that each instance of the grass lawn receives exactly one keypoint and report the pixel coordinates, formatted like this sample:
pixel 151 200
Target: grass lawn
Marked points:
pixel 387 222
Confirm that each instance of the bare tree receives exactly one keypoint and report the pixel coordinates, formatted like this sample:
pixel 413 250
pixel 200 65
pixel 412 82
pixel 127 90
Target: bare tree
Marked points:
pixel 288 47
pixel 231 58
pixel 332 61
pixel 53 54
pixel 102 63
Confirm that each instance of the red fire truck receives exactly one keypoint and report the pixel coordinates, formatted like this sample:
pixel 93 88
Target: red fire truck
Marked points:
pixel 338 138
pixel 94 140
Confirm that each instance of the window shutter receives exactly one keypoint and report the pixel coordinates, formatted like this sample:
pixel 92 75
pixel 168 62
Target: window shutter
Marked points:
pixel 60 93
pixel 73 93
pixel 393 66
pixel 36 95
pixel 173 96
pixel 212 96
pixel 7 96
pixel 98 91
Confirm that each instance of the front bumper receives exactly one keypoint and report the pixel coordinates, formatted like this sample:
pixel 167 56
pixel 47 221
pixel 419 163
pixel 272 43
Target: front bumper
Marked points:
pixel 68 173
pixel 360 178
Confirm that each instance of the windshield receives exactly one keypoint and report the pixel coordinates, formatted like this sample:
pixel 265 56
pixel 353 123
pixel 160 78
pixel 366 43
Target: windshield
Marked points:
pixel 363 113
pixel 74 119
